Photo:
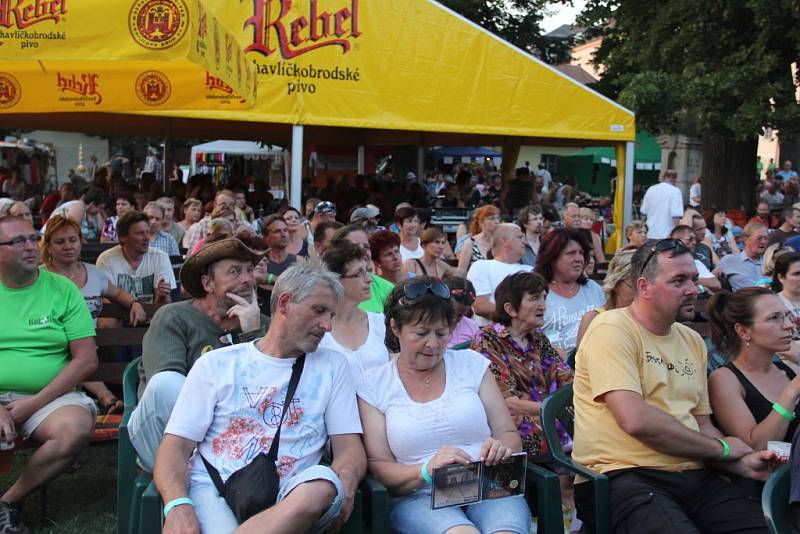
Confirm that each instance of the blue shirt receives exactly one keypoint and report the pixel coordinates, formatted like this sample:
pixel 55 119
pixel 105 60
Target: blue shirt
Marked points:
pixel 741 270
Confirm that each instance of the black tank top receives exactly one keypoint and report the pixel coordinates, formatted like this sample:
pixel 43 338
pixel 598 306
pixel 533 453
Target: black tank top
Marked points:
pixel 758 404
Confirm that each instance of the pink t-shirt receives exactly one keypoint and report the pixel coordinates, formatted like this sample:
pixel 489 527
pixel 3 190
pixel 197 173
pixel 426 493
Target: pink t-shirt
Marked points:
pixel 465 330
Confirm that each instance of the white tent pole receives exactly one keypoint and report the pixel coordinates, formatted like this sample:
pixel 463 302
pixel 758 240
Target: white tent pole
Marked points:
pixel 627 214
pixel 296 183
pixel 361 158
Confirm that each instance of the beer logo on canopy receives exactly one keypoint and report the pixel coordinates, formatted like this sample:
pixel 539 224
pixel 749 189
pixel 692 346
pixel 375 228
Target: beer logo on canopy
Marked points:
pixel 153 88
pixel 274 29
pixel 85 85
pixel 158 24
pixel 10 90
pixel 25 14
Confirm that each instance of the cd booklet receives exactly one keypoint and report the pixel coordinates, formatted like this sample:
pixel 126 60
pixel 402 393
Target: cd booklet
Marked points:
pixel 457 485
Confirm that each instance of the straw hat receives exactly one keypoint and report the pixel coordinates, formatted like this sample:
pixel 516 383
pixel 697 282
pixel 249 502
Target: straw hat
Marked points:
pixel 224 249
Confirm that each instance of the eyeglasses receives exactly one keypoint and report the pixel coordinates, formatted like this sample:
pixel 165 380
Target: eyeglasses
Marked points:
pixel 415 290
pixel 19 242
pixel 361 273
pixel 663 246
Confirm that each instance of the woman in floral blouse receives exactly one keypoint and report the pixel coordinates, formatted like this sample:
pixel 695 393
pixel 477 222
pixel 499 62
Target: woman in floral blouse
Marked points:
pixel 526 367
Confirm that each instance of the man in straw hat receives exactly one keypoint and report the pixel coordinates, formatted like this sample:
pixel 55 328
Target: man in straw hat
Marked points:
pixel 222 311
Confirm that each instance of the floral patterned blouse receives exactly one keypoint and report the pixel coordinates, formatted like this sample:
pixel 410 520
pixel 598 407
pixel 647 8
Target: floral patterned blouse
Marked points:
pixel 530 373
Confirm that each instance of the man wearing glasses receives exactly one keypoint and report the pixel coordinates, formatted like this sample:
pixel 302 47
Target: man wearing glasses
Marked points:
pixel 744 269
pixel 46 350
pixel 643 417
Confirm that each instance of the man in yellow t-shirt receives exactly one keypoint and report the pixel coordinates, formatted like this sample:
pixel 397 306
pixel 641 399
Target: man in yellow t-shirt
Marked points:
pixel 642 415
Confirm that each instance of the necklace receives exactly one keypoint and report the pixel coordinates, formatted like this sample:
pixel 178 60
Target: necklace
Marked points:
pixel 65 273
pixel 568 290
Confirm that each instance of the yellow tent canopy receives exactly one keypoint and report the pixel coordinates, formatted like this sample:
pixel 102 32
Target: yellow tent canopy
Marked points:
pixel 358 72
pixel 101 55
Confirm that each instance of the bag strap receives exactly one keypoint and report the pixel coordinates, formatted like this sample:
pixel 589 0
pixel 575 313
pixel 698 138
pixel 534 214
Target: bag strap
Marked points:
pixel 297 370
pixel 424 270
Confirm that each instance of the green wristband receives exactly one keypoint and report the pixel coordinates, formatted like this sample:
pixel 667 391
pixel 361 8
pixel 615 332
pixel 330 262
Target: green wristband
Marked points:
pixel 424 471
pixel 726 449
pixel 786 414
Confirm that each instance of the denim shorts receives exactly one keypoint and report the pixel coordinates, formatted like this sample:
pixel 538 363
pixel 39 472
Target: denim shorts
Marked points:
pixel 412 514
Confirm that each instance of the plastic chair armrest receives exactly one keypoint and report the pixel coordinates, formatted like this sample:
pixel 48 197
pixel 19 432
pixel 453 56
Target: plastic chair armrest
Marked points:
pixel 547 505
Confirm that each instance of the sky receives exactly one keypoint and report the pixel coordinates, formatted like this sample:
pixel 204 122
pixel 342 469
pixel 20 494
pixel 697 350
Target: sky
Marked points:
pixel 562 15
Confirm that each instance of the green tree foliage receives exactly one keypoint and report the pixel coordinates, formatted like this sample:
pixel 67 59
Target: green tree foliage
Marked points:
pixel 518 22
pixel 715 69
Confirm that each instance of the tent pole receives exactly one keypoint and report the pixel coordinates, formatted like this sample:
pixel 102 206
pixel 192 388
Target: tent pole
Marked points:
pixel 167 156
pixel 420 161
pixel 627 214
pixel 361 157
pixel 296 183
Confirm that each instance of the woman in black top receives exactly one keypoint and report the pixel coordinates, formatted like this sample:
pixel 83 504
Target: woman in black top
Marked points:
pixel 754 396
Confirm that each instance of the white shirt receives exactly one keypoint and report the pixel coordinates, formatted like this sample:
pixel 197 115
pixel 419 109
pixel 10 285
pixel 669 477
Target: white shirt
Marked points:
pixel 411 254
pixel 371 354
pixel 562 316
pixel 233 398
pixel 662 202
pixel 546 178
pixel 415 431
pixel 486 275
pixel 154 266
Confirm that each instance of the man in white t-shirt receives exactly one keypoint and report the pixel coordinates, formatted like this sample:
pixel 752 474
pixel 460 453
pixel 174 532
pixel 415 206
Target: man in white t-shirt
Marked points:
pixel 230 407
pixel 663 206
pixel 508 247
pixel 144 272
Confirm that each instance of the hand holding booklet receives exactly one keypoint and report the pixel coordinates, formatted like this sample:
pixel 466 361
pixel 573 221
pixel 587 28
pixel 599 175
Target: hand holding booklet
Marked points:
pixel 458 485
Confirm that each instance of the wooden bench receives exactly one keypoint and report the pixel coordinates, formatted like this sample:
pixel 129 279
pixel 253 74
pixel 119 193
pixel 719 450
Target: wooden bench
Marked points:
pixel 110 371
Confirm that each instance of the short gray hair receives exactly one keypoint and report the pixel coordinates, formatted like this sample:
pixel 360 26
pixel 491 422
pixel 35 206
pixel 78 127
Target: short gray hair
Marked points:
pixel 300 280
pixel 154 204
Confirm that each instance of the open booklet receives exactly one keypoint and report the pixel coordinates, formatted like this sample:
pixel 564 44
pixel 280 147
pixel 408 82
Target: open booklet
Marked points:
pixel 457 485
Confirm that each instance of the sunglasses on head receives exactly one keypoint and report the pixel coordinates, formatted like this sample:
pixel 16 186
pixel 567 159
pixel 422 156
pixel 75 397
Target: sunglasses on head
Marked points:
pixel 415 290
pixel 463 294
pixel 663 246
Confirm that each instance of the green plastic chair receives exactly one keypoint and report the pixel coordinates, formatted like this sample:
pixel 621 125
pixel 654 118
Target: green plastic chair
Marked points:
pixel 558 407
pixel 775 502
pixel 131 481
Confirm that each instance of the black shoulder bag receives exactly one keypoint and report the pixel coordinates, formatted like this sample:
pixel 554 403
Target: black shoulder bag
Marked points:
pixel 254 487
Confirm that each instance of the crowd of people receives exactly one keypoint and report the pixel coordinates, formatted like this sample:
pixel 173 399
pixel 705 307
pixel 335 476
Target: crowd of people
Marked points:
pixel 306 347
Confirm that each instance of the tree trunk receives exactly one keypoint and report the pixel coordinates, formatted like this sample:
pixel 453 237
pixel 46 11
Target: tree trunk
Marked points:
pixel 728 172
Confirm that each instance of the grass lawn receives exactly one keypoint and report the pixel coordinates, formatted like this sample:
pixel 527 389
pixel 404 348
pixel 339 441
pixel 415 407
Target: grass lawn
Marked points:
pixel 79 502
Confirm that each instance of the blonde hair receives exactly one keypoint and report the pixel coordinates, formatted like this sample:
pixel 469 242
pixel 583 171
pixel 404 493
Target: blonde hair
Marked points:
pixel 588 213
pixel 619 270
pixel 632 227
pixel 770 255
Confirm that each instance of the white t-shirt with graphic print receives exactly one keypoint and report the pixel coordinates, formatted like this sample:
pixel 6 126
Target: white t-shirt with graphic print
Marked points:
pixel 233 398
pixel 155 266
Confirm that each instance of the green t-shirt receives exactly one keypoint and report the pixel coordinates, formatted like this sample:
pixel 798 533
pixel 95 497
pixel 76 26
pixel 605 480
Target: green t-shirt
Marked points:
pixel 39 321
pixel 380 289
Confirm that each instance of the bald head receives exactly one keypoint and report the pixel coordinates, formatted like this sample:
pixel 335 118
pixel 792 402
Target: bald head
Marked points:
pixel 508 244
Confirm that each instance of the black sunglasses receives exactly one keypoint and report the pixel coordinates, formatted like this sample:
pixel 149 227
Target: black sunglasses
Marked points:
pixel 415 290
pixel 663 246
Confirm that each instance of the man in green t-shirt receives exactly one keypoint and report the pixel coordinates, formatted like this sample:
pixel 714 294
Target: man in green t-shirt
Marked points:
pixel 46 350
pixel 223 311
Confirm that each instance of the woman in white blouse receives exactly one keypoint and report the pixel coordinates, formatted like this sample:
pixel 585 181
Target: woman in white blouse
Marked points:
pixel 356 334
pixel 431 407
